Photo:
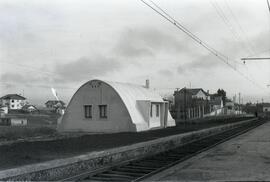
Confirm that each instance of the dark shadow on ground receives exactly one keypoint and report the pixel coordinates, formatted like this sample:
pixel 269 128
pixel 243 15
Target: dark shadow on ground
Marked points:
pixel 23 153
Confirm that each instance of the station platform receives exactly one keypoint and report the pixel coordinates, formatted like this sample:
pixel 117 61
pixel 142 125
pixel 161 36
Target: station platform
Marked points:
pixel 244 158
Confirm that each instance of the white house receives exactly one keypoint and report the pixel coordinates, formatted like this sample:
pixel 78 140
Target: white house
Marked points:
pixel 266 107
pixel 106 107
pixel 29 108
pixel 198 93
pixel 12 101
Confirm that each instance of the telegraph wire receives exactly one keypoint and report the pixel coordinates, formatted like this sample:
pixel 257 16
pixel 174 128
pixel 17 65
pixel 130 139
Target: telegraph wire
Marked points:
pixel 250 46
pixel 48 74
pixel 268 4
pixel 34 85
pixel 222 58
pixel 230 26
pixel 35 69
pixel 193 36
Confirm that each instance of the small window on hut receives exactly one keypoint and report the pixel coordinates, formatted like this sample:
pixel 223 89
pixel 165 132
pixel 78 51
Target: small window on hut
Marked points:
pixel 88 111
pixel 103 111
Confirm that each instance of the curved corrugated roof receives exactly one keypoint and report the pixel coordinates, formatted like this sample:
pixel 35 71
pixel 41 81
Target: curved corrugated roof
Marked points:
pixel 136 92
pixel 130 94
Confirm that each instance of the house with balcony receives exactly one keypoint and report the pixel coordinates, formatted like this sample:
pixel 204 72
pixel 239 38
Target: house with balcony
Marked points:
pixel 13 101
pixel 191 103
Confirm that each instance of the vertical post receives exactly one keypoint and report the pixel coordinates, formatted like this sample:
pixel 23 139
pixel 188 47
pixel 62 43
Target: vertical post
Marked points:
pixel 199 111
pixel 185 103
pixel 203 111
pixel 239 102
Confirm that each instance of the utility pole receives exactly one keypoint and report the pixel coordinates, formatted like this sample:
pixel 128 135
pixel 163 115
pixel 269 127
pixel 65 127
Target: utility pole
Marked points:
pixel 185 104
pixel 239 101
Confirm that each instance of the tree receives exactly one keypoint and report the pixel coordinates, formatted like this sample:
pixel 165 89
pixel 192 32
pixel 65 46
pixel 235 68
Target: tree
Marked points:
pixel 222 93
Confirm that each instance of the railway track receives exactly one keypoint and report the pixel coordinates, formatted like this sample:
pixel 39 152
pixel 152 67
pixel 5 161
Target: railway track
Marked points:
pixel 137 170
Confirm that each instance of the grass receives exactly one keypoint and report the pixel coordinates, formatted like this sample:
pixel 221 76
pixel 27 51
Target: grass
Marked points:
pixel 25 152
pixel 20 132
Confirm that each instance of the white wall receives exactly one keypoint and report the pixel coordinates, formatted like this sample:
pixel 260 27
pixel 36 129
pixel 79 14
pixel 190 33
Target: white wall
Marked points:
pixel 118 119
pixel 18 121
pixel 15 104
pixel 266 109
pixel 201 94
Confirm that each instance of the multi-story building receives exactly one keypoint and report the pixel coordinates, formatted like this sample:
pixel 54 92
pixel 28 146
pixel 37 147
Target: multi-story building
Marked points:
pixel 13 101
pixel 191 103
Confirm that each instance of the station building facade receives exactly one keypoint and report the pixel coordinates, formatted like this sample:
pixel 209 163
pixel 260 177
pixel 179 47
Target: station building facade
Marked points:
pixel 108 107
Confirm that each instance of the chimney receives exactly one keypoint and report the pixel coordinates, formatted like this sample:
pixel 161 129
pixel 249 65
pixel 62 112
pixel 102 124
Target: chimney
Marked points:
pixel 147 83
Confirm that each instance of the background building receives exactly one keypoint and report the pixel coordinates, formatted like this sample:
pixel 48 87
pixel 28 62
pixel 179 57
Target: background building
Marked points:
pixel 191 103
pixel 13 101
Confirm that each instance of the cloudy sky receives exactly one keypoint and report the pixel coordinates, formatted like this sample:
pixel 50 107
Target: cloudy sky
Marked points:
pixel 64 43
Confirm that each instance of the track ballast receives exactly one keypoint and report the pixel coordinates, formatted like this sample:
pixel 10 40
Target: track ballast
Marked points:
pixel 137 170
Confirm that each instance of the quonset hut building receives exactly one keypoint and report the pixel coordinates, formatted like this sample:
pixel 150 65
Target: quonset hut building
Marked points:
pixel 107 107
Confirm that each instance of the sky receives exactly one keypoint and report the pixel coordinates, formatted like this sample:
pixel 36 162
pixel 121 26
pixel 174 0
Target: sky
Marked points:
pixel 64 43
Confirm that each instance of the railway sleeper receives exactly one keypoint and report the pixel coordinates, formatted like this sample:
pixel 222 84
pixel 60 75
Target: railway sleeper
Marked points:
pixel 111 175
pixel 141 167
pixel 165 158
pixel 123 169
pixel 150 164
pixel 94 178
pixel 158 160
pixel 135 174
pixel 136 169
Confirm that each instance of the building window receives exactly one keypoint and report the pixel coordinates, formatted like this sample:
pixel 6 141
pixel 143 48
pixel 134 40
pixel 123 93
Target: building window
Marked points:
pixel 88 111
pixel 12 106
pixel 157 110
pixel 103 111
pixel 12 100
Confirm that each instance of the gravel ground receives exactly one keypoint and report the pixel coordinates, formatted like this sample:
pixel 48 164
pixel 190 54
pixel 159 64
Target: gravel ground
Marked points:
pixel 29 152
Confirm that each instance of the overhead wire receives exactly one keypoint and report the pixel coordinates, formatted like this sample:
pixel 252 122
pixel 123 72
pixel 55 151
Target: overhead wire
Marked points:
pixel 34 85
pixel 48 74
pixel 268 5
pixel 247 40
pixel 185 30
pixel 213 51
pixel 230 26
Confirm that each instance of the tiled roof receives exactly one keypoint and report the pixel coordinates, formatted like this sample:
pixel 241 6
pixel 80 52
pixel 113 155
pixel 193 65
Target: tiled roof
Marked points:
pixel 28 105
pixel 193 91
pixel 13 96
pixel 54 102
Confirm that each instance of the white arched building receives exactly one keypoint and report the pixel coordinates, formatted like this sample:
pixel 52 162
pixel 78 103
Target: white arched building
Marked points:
pixel 105 107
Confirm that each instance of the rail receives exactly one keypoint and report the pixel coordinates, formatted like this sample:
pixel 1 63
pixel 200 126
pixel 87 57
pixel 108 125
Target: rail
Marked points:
pixel 140 169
